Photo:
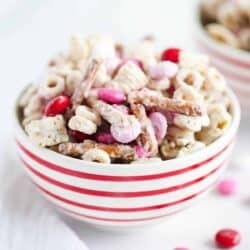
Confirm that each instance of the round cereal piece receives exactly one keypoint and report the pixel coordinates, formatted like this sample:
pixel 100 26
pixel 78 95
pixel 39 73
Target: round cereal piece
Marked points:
pixel 222 34
pixel 188 93
pixel 96 155
pixel 189 77
pixel 214 81
pixel 52 86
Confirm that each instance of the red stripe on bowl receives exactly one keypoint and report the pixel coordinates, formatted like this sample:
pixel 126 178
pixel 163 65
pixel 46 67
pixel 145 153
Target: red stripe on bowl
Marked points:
pixel 118 194
pixel 116 220
pixel 224 57
pixel 131 220
pixel 97 177
pixel 112 209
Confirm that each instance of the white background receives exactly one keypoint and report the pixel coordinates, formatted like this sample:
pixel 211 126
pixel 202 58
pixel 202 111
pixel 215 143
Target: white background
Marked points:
pixel 32 30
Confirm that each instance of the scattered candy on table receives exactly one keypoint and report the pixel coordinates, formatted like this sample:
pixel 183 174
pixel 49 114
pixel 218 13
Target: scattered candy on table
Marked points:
pixel 227 238
pixel 228 187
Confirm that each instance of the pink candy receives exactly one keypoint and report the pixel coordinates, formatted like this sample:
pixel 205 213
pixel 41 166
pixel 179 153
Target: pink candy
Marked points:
pixel 111 95
pixel 160 125
pixel 227 187
pixel 141 153
pixel 162 70
pixel 105 137
pixel 126 132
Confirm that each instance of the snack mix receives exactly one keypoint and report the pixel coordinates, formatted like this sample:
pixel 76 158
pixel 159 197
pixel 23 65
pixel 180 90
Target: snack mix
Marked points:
pixel 107 103
pixel 228 21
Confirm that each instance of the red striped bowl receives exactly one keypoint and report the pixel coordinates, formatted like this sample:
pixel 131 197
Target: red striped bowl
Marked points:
pixel 233 63
pixel 125 195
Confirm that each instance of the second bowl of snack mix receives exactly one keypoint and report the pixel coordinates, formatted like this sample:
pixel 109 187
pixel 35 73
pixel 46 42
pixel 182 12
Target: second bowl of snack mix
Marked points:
pixel 223 32
pixel 121 136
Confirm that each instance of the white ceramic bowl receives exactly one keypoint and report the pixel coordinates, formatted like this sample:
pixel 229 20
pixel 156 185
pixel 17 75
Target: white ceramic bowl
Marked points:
pixel 123 195
pixel 233 63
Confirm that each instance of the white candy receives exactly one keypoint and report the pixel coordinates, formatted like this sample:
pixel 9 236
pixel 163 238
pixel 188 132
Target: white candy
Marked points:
pixel 48 131
pixel 163 70
pixel 96 155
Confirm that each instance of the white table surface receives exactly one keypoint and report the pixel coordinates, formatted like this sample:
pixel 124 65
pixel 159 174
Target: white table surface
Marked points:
pixel 32 30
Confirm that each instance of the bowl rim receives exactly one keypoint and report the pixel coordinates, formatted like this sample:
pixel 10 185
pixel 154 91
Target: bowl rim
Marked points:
pixel 192 157
pixel 224 49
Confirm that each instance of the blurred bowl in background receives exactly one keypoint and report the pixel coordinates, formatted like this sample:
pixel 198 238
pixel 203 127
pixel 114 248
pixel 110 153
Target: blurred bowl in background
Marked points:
pixel 233 63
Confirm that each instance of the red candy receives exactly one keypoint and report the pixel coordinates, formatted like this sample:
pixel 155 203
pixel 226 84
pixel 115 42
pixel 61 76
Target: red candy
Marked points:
pixel 78 136
pixel 56 106
pixel 171 54
pixel 105 137
pixel 227 238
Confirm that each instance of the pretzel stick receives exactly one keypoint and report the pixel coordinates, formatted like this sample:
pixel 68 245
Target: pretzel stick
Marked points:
pixel 147 137
pixel 82 90
pixel 115 151
pixel 152 99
